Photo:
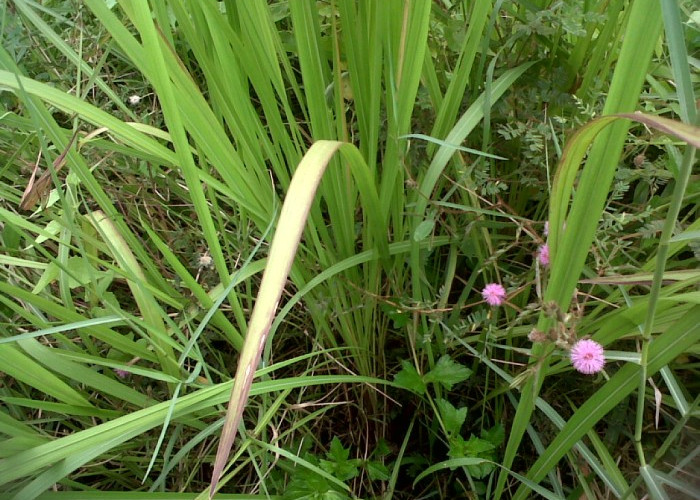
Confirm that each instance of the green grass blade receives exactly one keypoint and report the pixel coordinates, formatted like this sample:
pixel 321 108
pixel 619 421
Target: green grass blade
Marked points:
pixel 21 367
pixel 449 107
pixel 88 323
pixel 679 59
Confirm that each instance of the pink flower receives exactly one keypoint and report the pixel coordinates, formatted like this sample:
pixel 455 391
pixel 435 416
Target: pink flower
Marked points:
pixel 546 228
pixel 494 294
pixel 543 255
pixel 121 373
pixel 587 356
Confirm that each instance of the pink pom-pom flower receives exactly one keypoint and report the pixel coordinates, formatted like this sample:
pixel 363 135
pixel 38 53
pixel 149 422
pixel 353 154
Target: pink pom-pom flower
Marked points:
pixel 543 255
pixel 494 294
pixel 587 356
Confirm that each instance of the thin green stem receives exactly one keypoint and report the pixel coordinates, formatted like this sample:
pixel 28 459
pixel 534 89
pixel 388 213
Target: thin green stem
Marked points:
pixel 666 234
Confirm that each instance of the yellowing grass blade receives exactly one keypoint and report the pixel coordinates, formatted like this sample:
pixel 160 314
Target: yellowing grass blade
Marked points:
pixel 683 131
pixel 150 310
pixel 577 148
pixel 295 211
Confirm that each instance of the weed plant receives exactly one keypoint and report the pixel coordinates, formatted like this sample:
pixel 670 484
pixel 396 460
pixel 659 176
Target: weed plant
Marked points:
pixel 374 229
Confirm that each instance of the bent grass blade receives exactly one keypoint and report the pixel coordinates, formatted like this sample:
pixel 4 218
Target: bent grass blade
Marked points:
pixel 295 211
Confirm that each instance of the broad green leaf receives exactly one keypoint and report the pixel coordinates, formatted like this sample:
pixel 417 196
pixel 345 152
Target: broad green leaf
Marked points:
pixel 409 378
pixel 495 435
pixel 452 418
pixel 337 451
pixel 339 463
pixel 377 471
pixel 447 372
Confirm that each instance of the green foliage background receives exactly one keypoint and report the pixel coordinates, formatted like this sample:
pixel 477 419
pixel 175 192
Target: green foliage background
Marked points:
pixel 126 292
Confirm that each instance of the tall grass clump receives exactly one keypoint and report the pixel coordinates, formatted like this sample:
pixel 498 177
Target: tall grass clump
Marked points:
pixel 418 248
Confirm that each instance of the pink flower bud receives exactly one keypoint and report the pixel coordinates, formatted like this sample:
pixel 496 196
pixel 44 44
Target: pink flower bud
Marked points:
pixel 494 294
pixel 587 356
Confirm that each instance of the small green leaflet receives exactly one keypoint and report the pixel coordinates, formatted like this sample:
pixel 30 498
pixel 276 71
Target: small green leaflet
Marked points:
pixel 446 373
